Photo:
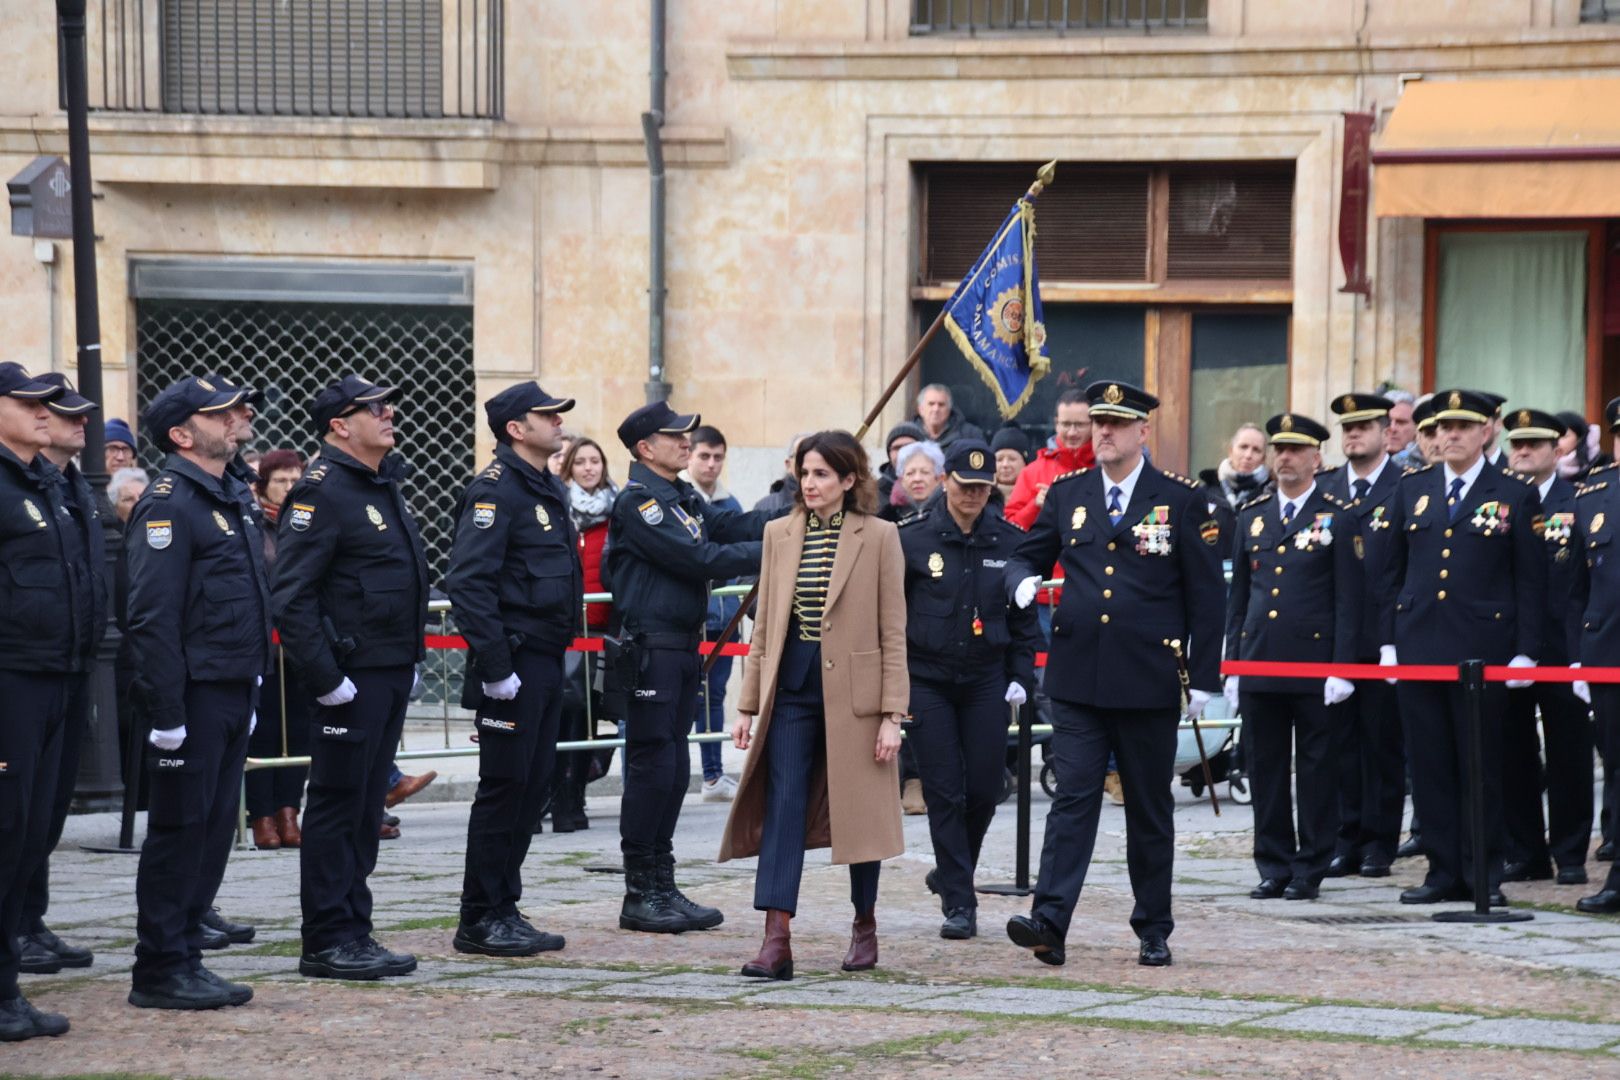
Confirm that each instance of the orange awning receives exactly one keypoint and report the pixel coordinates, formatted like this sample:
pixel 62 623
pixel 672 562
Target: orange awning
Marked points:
pixel 1506 148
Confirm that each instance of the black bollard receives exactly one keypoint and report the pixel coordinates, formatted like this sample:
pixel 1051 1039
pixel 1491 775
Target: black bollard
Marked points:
pixel 1020 885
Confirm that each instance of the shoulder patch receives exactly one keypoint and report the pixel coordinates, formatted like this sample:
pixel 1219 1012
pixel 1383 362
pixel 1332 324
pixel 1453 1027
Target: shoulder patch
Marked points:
pixel 1510 474
pixel 493 472
pixel 1334 500
pixel 1256 501
pixel 1603 469
pixel 1070 475
pixel 162 487
pixel 1418 469
pixel 909 521
pixel 651 512
pixel 1185 480
pixel 317 472
pixel 1328 470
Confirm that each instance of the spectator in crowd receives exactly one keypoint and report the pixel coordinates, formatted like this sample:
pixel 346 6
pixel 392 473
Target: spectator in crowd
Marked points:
pixel 1072 422
pixel 1402 430
pixel 1424 448
pixel 708 461
pixel 921 468
pixel 120 442
pixel 1240 476
pixel 555 462
pixel 900 436
pixel 939 419
pixel 1011 448
pixel 252 458
pixel 1579 447
pixel 274 796
pixel 126 486
pixel 785 490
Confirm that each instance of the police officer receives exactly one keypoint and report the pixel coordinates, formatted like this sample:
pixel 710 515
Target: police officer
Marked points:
pixel 1531 844
pixel 971 654
pixel 350 599
pixel 1295 596
pixel 1137 549
pixel 518 591
pixel 199 626
pixel 42 951
pixel 1466 580
pixel 1371 759
pixel 40 641
pixel 665 545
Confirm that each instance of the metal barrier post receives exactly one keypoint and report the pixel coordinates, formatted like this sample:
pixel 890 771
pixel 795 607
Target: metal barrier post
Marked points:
pixel 1026 741
pixel 1471 673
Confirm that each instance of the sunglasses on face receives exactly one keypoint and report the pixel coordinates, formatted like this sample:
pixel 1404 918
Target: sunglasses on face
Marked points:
pixel 376 408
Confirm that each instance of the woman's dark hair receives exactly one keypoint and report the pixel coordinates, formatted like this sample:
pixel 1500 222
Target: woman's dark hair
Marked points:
pixel 846 457
pixel 579 444
pixel 273 462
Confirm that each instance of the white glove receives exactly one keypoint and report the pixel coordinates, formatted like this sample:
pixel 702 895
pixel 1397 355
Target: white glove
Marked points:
pixel 1520 661
pixel 1335 690
pixel 169 739
pixel 1582 689
pixel 1386 658
pixel 416 678
pixel 1196 700
pixel 1015 694
pixel 253 721
pixel 1230 692
pixel 505 690
pixel 342 695
pixel 1024 595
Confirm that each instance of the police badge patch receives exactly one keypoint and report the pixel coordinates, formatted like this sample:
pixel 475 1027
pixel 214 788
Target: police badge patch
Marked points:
pixel 224 526
pixel 542 517
pixel 651 512
pixel 376 518
pixel 159 534
pixel 33 512
pixel 483 515
pixel 303 515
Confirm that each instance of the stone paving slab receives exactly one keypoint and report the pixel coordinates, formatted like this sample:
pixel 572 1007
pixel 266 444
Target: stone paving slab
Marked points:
pixel 579 976
pixel 1017 1001
pixel 853 992
pixel 1549 1034
pixel 1167 1009
pixel 684 986
pixel 1364 1022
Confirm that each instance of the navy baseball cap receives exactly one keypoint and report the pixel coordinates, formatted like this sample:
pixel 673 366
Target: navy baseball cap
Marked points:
pixel 971 461
pixel 655 419
pixel 16 382
pixel 342 396
pixel 514 401
pixel 182 400
pixel 1120 401
pixel 250 395
pixel 71 403
pixel 1292 429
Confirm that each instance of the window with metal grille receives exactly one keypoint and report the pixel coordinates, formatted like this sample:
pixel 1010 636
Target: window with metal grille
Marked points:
pixel 1231 221
pixel 1056 16
pixel 1600 10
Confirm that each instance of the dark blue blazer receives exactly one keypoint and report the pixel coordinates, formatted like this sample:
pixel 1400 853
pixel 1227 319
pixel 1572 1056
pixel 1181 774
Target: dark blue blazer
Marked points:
pixel 1561 561
pixel 1372 516
pixel 1593 620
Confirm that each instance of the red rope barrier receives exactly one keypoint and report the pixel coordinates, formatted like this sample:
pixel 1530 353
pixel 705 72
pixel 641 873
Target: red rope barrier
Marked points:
pixel 1416 672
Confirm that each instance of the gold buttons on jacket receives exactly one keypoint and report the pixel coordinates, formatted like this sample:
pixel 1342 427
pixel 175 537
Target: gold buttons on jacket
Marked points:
pixel 1442 595
pixel 1112 545
pixel 1279 570
pixel 1276 592
pixel 1105 618
pixel 1448 534
pixel 1109 570
pixel 1272 614
pixel 1108 594
pixel 1445 553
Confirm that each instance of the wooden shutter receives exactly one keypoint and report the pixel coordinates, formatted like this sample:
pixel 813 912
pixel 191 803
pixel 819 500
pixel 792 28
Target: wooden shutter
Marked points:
pixel 1231 222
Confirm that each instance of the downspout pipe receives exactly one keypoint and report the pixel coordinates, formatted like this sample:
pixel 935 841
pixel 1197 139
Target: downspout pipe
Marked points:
pixel 652 122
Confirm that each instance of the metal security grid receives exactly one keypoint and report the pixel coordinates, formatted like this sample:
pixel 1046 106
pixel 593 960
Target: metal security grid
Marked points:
pixel 1056 16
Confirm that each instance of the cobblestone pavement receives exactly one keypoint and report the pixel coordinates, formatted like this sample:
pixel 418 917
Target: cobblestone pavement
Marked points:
pixel 1353 984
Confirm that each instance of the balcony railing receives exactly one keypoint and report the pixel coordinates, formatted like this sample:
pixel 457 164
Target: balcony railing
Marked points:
pixel 349 58
pixel 1058 16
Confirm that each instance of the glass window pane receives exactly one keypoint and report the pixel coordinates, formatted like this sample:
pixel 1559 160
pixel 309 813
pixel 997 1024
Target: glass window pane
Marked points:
pixel 1239 376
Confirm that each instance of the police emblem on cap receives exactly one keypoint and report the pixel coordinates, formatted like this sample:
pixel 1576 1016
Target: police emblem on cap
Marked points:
pixel 1286 423
pixel 483 515
pixel 1348 403
pixel 224 526
pixel 542 517
pixel 936 564
pixel 1524 418
pixel 33 512
pixel 1454 401
pixel 975 460
pixel 651 512
pixel 1077 520
pixel 159 534
pixel 376 518
pixel 1113 395
pixel 302 515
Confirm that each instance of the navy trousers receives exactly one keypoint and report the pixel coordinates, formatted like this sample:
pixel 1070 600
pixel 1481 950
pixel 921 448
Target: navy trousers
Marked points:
pixel 1295 728
pixel 1436 722
pixel 74 728
pixel 33 710
pixel 959 732
pixel 1565 835
pixel 1372 772
pixel 657 760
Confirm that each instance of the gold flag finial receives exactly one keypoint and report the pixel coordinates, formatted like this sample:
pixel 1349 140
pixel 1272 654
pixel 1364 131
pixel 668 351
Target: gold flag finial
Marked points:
pixel 1044 176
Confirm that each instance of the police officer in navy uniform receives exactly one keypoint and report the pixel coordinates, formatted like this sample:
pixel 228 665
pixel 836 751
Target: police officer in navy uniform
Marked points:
pixel 1296 595
pixel 1466 580
pixel 40 641
pixel 82 533
pixel 1371 758
pixel 665 545
pixel 971 654
pixel 518 592
pixel 1137 550
pixel 350 599
pixel 199 624
pixel 1532 845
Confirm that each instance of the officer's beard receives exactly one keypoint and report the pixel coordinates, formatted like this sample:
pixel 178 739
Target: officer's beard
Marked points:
pixel 210 447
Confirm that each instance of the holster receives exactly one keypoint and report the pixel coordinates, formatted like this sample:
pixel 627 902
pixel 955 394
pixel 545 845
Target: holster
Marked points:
pixel 624 661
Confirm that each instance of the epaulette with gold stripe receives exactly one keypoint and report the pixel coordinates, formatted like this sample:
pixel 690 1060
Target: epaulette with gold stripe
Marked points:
pixel 1415 469
pixel 1334 500
pixel 1328 470
pixel 1587 489
pixel 317 472
pixel 1603 469
pixel 1071 475
pixel 1187 480
pixel 163 486
pixel 1256 501
pixel 1517 476
pixel 493 472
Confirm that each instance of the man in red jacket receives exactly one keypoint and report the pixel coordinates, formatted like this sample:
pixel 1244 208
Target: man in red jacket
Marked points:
pixel 1073 452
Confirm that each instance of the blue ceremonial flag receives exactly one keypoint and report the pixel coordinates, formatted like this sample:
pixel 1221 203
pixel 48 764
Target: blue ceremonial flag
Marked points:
pixel 995 315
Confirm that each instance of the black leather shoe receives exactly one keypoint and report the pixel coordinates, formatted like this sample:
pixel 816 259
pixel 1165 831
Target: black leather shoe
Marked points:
pixel 1606 902
pixel 1155 953
pixel 1410 850
pixel 1269 889
pixel 212 939
pixel 1605 851
pixel 240 993
pixel 1527 871
pixel 1301 890
pixel 960 924
pixel 1572 875
pixel 182 990
pixel 235 933
pixel 1344 866
pixel 1435 894
pixel 34 958
pixel 19 1020
pixel 72 956
pixel 397 963
pixel 496 936
pixel 1374 868
pixel 1032 932
pixel 932 881
pixel 351 960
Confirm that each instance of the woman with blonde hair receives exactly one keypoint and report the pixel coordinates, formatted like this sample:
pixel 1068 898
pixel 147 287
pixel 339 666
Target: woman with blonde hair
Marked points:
pixel 826 679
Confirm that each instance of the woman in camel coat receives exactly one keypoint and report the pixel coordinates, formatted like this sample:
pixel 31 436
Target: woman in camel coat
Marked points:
pixel 826 677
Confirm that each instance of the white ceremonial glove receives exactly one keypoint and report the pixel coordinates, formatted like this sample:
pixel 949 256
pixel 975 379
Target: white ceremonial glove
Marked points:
pixel 344 694
pixel 505 690
pixel 1335 690
pixel 1196 700
pixel 1386 658
pixel 253 721
pixel 1230 692
pixel 169 739
pixel 1520 661
pixel 1015 694
pixel 1582 689
pixel 1024 595
pixel 416 678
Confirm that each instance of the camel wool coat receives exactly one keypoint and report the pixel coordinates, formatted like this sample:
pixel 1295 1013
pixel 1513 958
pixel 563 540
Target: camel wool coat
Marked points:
pixel 854 805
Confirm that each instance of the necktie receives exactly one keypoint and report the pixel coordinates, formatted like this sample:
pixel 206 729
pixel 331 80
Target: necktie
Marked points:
pixel 1454 500
pixel 1115 511
pixel 1288 514
pixel 1362 486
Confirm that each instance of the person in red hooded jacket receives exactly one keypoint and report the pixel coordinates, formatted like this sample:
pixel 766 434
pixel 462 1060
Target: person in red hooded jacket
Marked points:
pixel 1073 452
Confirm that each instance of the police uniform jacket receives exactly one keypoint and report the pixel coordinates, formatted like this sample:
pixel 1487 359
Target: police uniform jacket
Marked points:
pixel 665 545
pixel 514 566
pixel 954 580
pixel 348 553
pixel 199 606
pixel 44 627
pixel 1558 517
pixel 1129 587
pixel 86 540
pixel 1372 517
pixel 1593 616
pixel 1470 589
pixel 1297 589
